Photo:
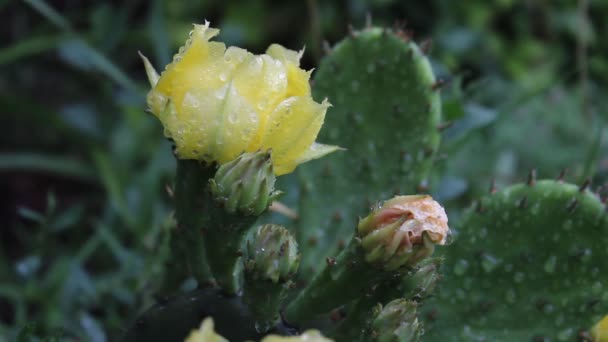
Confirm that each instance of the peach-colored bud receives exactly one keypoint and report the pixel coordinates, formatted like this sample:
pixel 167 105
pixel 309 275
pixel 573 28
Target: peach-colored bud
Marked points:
pixel 403 230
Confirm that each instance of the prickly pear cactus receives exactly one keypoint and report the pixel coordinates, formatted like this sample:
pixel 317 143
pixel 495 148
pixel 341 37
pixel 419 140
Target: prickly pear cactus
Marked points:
pixel 386 110
pixel 528 262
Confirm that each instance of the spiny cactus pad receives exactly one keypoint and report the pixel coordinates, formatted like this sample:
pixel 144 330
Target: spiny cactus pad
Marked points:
pixel 527 262
pixel 386 112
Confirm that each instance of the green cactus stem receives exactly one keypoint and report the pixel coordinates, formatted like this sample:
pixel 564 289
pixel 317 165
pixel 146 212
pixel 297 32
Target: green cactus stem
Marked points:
pixel 241 190
pixel 398 234
pixel 192 206
pixel 381 85
pixel 271 258
pixel 528 262
pixel 413 286
pixel 175 317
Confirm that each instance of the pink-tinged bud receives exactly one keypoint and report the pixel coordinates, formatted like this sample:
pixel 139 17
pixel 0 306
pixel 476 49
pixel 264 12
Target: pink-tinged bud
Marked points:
pixel 402 231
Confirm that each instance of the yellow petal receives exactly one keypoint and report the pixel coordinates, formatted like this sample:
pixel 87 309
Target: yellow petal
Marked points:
pixel 297 78
pixel 316 151
pixel 292 129
pixel 279 52
pixel 220 125
pixel 262 81
pixel 599 333
pixel 153 76
pixel 205 333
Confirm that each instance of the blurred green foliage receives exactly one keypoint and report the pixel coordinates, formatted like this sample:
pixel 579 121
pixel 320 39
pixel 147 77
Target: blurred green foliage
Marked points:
pixel 85 170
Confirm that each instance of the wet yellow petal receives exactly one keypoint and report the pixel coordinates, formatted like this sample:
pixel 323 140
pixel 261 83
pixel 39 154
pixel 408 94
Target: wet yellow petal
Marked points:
pixel 316 151
pixel 284 55
pixel 291 129
pixel 297 79
pixel 217 103
pixel 205 333
pixel 599 333
pixel 261 80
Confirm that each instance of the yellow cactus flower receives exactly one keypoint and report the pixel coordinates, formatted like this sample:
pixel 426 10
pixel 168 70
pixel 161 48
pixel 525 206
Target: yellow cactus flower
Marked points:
pixel 599 333
pixel 217 102
pixel 205 333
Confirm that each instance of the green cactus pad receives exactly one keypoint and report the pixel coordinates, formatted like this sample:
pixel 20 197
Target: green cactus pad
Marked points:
pixel 528 262
pixel 386 109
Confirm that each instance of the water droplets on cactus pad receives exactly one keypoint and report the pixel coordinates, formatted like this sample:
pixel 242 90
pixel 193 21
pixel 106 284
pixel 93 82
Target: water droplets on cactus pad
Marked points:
pixel 539 270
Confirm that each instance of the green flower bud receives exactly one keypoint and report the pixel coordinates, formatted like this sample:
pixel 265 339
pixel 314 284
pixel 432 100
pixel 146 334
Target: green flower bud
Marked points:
pixel 402 231
pixel 245 184
pixel 272 254
pixel 419 283
pixel 396 322
pixel 271 258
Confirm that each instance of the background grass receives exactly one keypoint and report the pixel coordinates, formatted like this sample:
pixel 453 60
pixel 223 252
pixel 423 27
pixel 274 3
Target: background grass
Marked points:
pixel 84 170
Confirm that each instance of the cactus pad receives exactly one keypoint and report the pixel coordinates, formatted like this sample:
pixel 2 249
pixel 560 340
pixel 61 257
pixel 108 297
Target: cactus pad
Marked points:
pixel 385 112
pixel 528 262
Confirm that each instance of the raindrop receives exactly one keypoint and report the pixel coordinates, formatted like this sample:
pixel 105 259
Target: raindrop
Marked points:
pixel 565 335
pixel 489 263
pixel 461 267
pixel 596 288
pixel 510 296
pixel 232 117
pixel 549 265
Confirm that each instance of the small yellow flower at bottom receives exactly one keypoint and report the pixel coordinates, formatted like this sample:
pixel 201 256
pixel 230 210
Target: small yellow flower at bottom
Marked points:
pixel 599 333
pixel 307 336
pixel 217 102
pixel 205 333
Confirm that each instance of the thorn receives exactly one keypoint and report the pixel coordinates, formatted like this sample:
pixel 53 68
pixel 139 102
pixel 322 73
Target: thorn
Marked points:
pixel 423 186
pixel 572 205
pixel 351 31
pixel 440 83
pixel 562 175
pixel 585 185
pixel 169 191
pixel 368 20
pixel 532 177
pixel 523 203
pixel 337 216
pixel 326 47
pixel 405 35
pixel 426 45
pixel 444 125
pixel 312 241
pixel 336 316
pixel 330 261
pixel 399 25
pixel 493 186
